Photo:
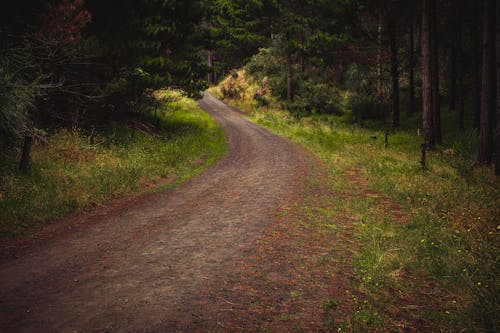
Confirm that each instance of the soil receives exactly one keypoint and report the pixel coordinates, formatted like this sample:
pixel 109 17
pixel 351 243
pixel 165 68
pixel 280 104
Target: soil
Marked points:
pixel 214 254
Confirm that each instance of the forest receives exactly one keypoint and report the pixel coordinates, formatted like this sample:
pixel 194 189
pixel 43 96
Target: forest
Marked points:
pixel 97 101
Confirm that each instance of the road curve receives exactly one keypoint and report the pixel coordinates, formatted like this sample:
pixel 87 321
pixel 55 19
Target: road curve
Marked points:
pixel 154 263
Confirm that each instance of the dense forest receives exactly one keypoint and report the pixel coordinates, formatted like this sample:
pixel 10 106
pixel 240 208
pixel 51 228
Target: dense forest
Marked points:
pixel 68 62
pixel 421 77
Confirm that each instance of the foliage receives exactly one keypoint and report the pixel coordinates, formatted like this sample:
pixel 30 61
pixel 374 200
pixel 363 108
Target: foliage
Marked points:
pixel 20 86
pixel 264 64
pixel 63 21
pixel 237 29
pixel 71 174
pixel 231 89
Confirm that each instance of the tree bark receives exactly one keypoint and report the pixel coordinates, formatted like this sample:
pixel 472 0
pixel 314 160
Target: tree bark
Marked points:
pixel 210 66
pixel 25 156
pixel 460 69
pixel 476 59
pixel 379 55
pixel 411 71
pixel 497 137
pixel 488 92
pixel 288 78
pixel 394 72
pixel 436 111
pixel 427 117
pixel 453 70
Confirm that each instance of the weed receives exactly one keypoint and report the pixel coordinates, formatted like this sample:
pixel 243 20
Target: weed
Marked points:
pixel 329 305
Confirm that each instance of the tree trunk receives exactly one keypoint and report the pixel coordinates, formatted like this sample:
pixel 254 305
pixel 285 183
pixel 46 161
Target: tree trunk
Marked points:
pixel 394 72
pixel 476 59
pixel 460 69
pixel 488 92
pixel 453 71
pixel 411 72
pixel 288 78
pixel 25 156
pixel 379 55
pixel 302 59
pixel 210 65
pixel 436 111
pixel 497 137
pixel 426 77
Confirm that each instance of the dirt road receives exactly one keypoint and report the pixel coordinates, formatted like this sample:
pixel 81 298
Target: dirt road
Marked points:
pixel 157 262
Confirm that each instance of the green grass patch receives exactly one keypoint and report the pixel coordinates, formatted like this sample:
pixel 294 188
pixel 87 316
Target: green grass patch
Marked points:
pixel 70 174
pixel 439 267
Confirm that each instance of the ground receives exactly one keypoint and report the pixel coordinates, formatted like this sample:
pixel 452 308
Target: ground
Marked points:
pixel 215 254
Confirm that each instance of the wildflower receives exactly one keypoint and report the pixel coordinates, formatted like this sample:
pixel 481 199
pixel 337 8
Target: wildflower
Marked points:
pixel 422 240
pixel 479 284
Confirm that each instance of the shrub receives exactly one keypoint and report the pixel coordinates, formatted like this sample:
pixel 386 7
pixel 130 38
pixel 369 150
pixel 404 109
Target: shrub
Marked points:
pixel 264 63
pixel 320 98
pixel 231 89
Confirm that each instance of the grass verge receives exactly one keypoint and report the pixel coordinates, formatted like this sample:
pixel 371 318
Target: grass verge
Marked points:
pixel 70 174
pixel 426 253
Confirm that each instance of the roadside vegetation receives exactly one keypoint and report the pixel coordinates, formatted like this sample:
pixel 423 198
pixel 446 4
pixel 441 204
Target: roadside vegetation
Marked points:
pixel 427 239
pixel 73 169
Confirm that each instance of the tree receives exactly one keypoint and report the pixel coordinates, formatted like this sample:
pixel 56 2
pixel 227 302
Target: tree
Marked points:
pixel 436 109
pixel 476 61
pixel 394 71
pixel 411 68
pixel 427 108
pixel 497 139
pixel 488 85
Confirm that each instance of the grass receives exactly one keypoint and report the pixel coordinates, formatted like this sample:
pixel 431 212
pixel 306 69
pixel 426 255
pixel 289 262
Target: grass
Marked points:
pixel 70 174
pixel 427 240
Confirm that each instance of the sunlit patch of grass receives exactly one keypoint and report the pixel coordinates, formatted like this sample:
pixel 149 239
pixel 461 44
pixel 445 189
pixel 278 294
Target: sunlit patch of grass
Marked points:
pixel 439 266
pixel 71 174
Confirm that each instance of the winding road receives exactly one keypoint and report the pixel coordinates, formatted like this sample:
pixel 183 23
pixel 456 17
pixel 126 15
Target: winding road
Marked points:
pixel 154 263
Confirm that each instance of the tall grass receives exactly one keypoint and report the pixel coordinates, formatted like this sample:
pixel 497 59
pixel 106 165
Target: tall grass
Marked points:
pixel 70 174
pixel 438 266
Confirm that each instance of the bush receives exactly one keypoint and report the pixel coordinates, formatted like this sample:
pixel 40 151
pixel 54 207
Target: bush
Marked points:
pixel 366 107
pixel 320 98
pixel 231 89
pixel 264 63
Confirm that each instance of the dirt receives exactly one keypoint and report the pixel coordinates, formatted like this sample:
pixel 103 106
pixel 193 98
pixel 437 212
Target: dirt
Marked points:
pixel 199 257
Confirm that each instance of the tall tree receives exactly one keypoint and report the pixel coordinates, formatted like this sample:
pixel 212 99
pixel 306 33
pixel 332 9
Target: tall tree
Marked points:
pixel 497 139
pixel 460 67
pixel 411 68
pixel 476 61
pixel 488 85
pixel 436 109
pixel 427 114
pixel 454 48
pixel 394 71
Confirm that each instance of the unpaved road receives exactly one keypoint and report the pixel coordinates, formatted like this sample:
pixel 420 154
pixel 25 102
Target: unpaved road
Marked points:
pixel 157 262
